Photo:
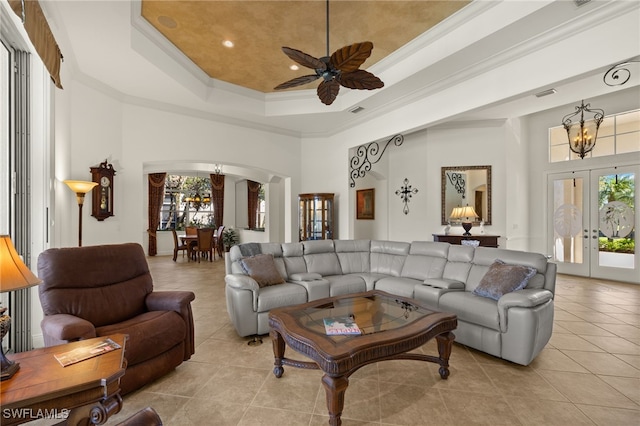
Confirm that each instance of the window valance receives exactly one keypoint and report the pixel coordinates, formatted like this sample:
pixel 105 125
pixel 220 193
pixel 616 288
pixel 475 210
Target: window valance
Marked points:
pixel 37 27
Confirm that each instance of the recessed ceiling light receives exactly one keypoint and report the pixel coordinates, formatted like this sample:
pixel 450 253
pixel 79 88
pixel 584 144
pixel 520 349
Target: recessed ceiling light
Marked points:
pixel 167 21
pixel 294 67
pixel 227 43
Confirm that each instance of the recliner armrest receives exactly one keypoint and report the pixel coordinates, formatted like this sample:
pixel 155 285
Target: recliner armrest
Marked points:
pixel 525 298
pixel 180 302
pixel 169 300
pixel 66 328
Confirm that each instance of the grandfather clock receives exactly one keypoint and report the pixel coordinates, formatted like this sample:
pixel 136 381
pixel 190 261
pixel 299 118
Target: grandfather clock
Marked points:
pixel 102 199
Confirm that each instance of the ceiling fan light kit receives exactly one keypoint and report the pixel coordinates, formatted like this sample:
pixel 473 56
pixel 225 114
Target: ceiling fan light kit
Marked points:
pixel 341 68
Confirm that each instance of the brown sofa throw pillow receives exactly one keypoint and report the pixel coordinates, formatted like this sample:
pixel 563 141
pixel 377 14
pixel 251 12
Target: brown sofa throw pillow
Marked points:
pixel 501 279
pixel 263 269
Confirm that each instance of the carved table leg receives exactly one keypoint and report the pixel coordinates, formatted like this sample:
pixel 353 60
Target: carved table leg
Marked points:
pixel 445 343
pixel 335 388
pixel 278 352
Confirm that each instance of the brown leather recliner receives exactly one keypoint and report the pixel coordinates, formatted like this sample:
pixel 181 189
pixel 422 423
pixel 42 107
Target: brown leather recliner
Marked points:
pixel 101 290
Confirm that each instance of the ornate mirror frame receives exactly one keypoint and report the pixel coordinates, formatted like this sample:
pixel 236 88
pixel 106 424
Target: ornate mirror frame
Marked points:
pixel 457 180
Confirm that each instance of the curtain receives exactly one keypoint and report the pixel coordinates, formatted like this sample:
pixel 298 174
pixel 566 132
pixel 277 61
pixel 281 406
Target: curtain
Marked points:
pixel 36 26
pixel 156 198
pixel 253 188
pixel 217 198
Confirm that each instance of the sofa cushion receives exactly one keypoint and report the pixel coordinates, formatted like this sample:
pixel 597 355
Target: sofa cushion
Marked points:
pixel 277 296
pixel 397 285
pixel 501 279
pixel 263 269
pixel 345 284
pixel 470 308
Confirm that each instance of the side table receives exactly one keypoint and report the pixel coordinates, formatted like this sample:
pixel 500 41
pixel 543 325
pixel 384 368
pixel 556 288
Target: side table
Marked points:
pixel 485 240
pixel 87 392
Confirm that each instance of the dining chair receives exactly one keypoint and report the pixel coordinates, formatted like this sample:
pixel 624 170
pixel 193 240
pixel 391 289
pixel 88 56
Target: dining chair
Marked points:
pixel 191 230
pixel 218 242
pixel 204 246
pixel 177 246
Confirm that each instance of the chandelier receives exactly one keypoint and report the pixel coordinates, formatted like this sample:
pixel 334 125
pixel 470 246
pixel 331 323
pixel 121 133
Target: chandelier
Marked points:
pixel 197 200
pixel 582 135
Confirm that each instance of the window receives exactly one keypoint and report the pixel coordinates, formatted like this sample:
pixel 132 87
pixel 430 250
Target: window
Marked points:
pixel 262 208
pixel 187 202
pixel 618 134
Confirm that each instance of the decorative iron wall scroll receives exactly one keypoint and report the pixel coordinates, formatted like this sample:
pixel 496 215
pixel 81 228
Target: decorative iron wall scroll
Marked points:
pixel 618 74
pixel 367 155
pixel 458 182
pixel 405 192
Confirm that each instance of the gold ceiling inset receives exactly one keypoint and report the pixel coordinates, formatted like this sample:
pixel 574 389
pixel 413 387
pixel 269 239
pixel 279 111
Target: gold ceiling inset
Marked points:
pixel 259 29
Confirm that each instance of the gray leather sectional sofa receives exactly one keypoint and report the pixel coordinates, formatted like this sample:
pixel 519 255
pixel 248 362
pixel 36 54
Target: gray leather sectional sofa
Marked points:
pixel 440 276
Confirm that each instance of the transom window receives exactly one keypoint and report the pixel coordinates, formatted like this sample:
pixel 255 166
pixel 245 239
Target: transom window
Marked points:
pixel 618 134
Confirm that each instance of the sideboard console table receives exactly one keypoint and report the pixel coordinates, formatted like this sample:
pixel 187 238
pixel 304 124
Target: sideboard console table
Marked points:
pixel 485 240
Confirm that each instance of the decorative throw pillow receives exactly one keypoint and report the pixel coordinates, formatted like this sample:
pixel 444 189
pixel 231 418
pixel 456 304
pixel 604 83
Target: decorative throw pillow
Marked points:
pixel 501 279
pixel 263 269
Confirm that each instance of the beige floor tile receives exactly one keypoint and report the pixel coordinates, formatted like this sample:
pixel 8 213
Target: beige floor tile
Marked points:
pixel 614 345
pixel 521 382
pixel 412 405
pixel 295 390
pixel 198 412
pixel 607 416
pixel 582 327
pixel 554 359
pixel 469 408
pixel 238 385
pixel 573 342
pixel 630 387
pixel 535 412
pixel 588 389
pixel 259 416
pixel 633 360
pixel 620 330
pixel 603 363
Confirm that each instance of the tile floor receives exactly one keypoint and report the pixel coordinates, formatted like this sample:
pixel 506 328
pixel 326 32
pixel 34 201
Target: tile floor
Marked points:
pixel 589 373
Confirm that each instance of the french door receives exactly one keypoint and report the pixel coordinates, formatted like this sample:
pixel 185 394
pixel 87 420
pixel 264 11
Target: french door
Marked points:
pixel 593 222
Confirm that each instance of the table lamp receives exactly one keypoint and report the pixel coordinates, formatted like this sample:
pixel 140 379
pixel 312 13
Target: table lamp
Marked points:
pixel 80 187
pixel 466 215
pixel 14 275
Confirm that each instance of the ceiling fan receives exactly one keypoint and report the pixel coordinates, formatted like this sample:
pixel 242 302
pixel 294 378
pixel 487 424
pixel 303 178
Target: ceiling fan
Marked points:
pixel 341 68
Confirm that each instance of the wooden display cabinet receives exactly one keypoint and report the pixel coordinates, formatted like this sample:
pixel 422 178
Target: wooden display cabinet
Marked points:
pixel 316 216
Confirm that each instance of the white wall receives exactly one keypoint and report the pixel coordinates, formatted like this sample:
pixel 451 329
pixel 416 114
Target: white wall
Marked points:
pixel 95 126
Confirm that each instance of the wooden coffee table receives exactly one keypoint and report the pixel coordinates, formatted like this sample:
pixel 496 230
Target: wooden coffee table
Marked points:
pixel 85 393
pixel 391 327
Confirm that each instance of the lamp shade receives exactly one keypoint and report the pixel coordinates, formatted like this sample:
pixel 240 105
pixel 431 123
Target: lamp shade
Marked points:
pixel 14 274
pixel 468 213
pixel 80 186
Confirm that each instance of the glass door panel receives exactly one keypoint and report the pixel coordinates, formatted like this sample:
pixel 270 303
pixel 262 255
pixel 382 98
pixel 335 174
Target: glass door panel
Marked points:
pixel 569 196
pixel 614 217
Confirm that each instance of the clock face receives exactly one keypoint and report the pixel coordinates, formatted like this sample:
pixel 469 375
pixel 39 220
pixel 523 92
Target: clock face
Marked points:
pixel 104 181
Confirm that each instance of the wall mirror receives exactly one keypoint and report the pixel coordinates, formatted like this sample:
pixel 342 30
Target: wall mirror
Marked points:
pixel 467 185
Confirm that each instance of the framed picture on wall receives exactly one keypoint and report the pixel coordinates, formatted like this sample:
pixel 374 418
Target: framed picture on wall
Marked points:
pixel 365 203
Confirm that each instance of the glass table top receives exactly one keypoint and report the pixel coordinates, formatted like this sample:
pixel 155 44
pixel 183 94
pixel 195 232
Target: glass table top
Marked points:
pixel 372 314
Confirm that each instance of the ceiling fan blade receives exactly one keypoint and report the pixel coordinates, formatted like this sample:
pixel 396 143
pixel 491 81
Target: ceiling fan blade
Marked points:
pixel 349 58
pixel 328 91
pixel 298 81
pixel 304 59
pixel 361 80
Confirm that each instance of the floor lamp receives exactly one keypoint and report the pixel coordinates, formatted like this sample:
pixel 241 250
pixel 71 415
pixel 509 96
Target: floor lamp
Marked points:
pixel 14 275
pixel 80 187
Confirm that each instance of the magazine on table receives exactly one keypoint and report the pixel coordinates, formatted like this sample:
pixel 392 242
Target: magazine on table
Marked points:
pixel 341 325
pixel 85 352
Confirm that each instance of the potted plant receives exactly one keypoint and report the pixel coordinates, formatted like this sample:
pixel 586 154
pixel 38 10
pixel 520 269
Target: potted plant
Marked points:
pixel 230 238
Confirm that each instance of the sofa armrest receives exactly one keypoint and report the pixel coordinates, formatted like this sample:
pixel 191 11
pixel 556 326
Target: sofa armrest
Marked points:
pixel 526 298
pixel 180 302
pixel 64 328
pixel 244 282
